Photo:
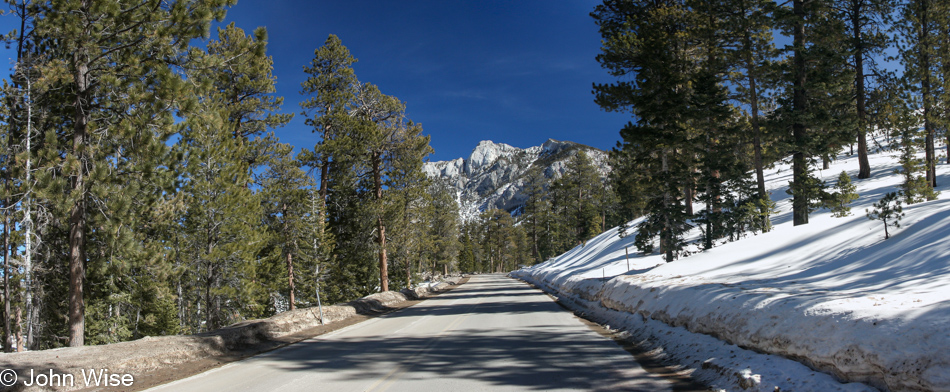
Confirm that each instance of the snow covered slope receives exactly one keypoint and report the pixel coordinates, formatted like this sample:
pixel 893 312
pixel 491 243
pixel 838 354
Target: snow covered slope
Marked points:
pixel 833 295
pixel 493 174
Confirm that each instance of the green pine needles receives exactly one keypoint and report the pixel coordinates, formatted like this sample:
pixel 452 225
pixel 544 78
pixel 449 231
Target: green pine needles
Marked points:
pixel 887 213
pixel 839 201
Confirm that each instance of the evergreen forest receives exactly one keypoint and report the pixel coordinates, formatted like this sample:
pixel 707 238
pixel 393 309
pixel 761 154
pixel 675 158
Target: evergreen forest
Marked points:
pixel 144 191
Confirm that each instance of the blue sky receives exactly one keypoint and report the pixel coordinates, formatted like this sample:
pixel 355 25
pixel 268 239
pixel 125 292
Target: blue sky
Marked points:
pixel 516 72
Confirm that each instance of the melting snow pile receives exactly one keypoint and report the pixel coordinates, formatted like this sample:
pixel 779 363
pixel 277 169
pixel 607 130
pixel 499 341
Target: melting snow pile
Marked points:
pixel 833 295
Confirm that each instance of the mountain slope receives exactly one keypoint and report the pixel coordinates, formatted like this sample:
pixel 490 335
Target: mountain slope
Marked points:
pixel 493 174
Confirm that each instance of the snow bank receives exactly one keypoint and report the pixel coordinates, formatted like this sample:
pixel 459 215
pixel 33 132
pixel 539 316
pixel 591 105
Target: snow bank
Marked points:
pixel 833 294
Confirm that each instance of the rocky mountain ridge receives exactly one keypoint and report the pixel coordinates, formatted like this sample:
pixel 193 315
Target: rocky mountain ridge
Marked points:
pixel 493 174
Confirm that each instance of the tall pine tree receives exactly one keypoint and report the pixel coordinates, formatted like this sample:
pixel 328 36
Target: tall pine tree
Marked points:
pixel 112 61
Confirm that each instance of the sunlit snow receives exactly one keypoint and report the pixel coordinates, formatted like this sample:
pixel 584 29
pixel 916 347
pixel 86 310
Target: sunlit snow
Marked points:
pixel 833 294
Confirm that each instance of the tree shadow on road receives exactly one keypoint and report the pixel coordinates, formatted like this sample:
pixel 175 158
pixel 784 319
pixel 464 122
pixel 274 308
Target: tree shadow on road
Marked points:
pixel 533 359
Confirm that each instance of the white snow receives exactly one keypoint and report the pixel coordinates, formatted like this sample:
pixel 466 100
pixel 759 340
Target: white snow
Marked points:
pixel 832 294
pixel 492 175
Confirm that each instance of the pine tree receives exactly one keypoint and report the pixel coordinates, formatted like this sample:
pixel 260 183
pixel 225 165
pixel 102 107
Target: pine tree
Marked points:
pixel 363 133
pixel 380 125
pixel 6 164
pixel 112 61
pixel 410 209
pixel 580 208
pixel 624 180
pixel 649 42
pixel 904 126
pixel 942 19
pixel 28 106
pixel 717 135
pixel 467 259
pixel 839 201
pixel 444 227
pixel 814 107
pixel 409 213
pixel 351 270
pixel 534 210
pixel 866 25
pixel 505 244
pixel 314 254
pixel 222 220
pixel 330 89
pixel 285 196
pixel 750 27
pixel 918 29
pixel 331 92
pixel 17 135
pixel 884 212
pixel 224 216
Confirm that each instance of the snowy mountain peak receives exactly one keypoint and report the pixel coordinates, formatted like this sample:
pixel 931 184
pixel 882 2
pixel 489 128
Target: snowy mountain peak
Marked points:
pixel 485 154
pixel 492 176
pixel 552 146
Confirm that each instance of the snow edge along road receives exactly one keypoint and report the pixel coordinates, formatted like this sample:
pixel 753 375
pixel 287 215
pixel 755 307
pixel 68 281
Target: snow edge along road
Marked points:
pixel 715 362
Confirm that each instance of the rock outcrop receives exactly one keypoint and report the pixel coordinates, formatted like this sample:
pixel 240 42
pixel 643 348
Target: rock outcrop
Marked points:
pixel 493 174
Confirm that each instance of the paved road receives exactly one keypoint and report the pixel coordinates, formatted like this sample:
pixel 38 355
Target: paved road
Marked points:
pixel 491 334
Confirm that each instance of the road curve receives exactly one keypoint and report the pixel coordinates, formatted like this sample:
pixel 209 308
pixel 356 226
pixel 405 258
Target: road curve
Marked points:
pixel 492 334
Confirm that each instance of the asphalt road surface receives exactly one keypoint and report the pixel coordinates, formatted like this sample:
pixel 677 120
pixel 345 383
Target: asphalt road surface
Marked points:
pixel 493 333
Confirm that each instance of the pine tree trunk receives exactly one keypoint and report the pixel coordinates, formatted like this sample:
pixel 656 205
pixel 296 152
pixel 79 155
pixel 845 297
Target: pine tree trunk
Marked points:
pixel 77 216
pixel 290 279
pixel 756 128
pixel 945 36
pixel 27 200
pixel 756 133
pixel 7 332
pixel 378 193
pixel 665 233
pixel 210 315
pixel 688 199
pixel 290 260
pixel 690 191
pixel 501 261
pixel 580 224
pixel 408 270
pixel 708 243
pixel 864 166
pixel 181 304
pixel 534 238
pixel 324 181
pixel 799 169
pixel 799 200
pixel 928 95
pixel 217 311
pixel 18 341
pixel 209 305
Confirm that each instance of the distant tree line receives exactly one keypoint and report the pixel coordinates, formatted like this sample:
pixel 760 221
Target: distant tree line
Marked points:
pixel 560 211
pixel 144 192
pixel 713 99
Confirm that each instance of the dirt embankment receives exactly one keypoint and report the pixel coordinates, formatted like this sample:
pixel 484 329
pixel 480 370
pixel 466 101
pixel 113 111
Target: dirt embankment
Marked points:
pixel 155 360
